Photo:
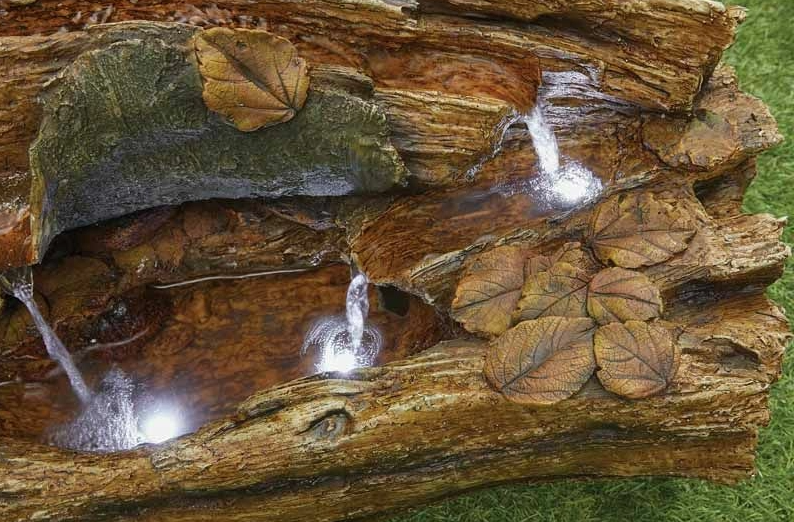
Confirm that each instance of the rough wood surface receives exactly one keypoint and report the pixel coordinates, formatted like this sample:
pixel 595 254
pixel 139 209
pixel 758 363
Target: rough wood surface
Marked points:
pixel 654 54
pixel 633 91
pixel 412 245
pixel 334 448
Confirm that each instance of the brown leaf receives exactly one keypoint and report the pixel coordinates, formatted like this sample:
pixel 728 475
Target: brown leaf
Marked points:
pixel 617 295
pixel 537 264
pixel 571 253
pixel 560 291
pixel 637 230
pixel 489 291
pixel 636 359
pixel 542 361
pixel 574 254
pixel 254 78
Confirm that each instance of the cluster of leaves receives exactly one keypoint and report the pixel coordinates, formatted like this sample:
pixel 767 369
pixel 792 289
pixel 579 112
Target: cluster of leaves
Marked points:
pixel 253 78
pixel 555 319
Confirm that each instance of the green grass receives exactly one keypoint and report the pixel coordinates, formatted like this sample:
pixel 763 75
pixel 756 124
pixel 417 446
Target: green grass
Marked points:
pixel 764 58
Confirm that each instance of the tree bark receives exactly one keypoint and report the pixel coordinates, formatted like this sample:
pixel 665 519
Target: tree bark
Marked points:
pixel 210 300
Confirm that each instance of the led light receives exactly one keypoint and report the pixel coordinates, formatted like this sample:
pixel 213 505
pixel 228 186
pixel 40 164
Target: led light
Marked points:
pixel 338 361
pixel 160 426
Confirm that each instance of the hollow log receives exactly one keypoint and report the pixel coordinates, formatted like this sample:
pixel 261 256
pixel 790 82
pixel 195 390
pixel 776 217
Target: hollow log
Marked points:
pixel 525 338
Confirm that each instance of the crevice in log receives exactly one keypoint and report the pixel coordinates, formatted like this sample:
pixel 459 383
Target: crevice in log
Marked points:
pixel 722 195
pixel 394 300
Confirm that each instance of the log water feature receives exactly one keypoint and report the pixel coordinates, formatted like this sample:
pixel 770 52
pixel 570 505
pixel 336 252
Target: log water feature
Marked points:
pixel 154 166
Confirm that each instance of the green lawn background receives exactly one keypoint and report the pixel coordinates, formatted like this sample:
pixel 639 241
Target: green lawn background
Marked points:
pixel 764 58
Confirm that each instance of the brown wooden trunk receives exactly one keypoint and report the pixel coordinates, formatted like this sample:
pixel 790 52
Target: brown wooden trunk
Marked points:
pixel 209 301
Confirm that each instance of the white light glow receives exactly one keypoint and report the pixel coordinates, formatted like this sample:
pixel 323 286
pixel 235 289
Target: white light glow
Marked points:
pixel 572 185
pixel 345 342
pixel 160 426
pixel 338 361
pixel 561 182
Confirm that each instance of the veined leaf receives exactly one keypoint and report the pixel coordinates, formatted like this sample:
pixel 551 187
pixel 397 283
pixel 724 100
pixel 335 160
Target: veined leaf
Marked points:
pixel 559 291
pixel 636 359
pixel 542 361
pixel 637 230
pixel 489 291
pixel 617 295
pixel 571 253
pixel 254 78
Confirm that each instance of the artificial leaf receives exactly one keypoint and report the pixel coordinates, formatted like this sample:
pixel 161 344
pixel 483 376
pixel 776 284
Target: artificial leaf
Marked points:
pixel 617 295
pixel 537 264
pixel 571 253
pixel 637 230
pixel 254 78
pixel 635 359
pixel 559 291
pixel 542 361
pixel 489 291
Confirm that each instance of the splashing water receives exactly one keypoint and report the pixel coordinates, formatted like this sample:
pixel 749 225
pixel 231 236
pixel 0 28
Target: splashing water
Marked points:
pixel 19 283
pixel 108 421
pixel 560 184
pixel 119 416
pixel 344 343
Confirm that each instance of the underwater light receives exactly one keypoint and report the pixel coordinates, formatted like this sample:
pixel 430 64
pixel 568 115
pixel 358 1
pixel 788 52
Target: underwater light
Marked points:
pixel 160 426
pixel 338 361
pixel 572 185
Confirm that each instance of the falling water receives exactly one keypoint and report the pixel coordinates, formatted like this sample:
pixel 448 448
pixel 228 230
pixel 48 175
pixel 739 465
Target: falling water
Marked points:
pixel 544 141
pixel 356 310
pixel 18 282
pixel 561 183
pixel 345 342
pixel 107 422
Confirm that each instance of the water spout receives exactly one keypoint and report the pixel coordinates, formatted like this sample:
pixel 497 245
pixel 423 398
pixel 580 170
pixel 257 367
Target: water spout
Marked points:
pixel 19 283
pixel 357 309
pixel 561 183
pixel 544 140
pixel 346 342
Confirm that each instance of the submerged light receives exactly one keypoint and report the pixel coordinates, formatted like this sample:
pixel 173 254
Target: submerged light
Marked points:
pixel 161 425
pixel 342 361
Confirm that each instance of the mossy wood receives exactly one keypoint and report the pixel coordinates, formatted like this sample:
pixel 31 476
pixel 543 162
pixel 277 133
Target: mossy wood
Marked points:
pixel 629 336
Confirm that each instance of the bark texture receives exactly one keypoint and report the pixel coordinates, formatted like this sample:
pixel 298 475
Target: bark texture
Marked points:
pixel 210 300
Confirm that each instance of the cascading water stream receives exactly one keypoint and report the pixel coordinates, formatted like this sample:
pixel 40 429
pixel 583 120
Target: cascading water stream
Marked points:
pixel 19 283
pixel 544 141
pixel 357 310
pixel 561 183
pixel 346 342
pixel 108 419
